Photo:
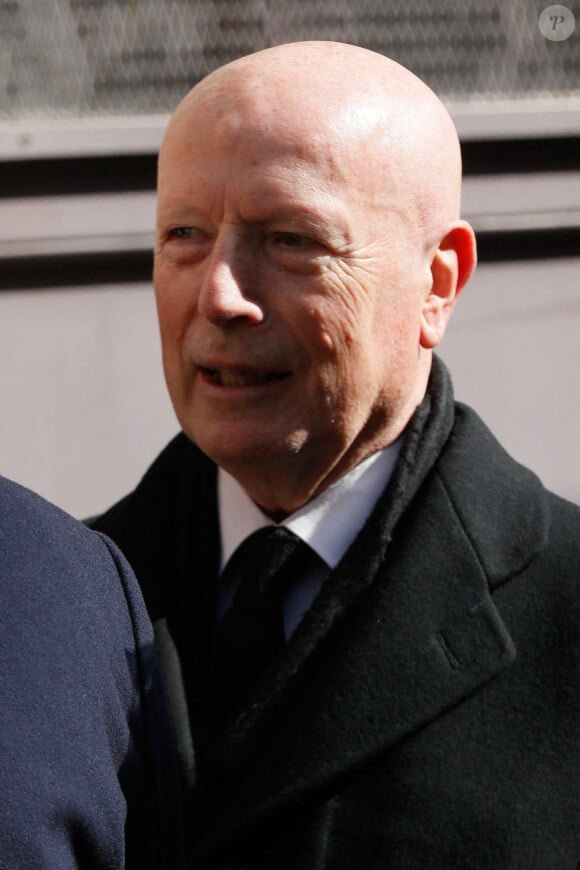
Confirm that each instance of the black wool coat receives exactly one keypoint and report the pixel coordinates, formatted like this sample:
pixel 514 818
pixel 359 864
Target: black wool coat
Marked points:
pixel 425 712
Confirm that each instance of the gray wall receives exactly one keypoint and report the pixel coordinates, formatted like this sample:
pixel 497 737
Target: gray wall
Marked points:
pixel 84 402
pixel 512 350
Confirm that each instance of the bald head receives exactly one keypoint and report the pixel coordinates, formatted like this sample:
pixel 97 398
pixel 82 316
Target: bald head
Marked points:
pixel 314 93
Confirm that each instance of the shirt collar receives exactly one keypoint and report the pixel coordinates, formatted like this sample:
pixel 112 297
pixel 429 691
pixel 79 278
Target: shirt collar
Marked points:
pixel 329 523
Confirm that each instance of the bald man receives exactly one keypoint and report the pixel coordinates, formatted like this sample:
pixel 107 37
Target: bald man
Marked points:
pixel 421 710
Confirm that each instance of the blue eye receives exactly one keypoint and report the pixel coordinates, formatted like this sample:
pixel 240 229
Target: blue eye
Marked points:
pixel 183 232
pixel 294 240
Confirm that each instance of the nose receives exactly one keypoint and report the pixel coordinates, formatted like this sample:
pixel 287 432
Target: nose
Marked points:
pixel 226 293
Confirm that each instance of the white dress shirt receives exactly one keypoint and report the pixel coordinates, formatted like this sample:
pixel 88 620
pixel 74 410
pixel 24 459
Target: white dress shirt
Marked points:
pixel 328 524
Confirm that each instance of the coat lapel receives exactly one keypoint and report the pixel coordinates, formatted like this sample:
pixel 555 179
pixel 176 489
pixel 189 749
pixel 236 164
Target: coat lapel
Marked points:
pixel 415 645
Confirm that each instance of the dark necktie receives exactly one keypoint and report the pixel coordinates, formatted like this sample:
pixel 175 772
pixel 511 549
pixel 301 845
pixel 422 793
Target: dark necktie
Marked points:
pixel 250 635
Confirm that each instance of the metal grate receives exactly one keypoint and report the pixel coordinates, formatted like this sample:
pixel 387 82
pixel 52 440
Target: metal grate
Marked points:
pixel 72 58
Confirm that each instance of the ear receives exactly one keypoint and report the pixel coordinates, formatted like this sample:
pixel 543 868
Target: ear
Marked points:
pixel 451 268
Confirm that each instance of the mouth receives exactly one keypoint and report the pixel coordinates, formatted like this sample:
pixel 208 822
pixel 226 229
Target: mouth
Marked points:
pixel 242 377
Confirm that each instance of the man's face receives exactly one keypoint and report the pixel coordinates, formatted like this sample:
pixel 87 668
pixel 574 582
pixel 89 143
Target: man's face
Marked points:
pixel 289 281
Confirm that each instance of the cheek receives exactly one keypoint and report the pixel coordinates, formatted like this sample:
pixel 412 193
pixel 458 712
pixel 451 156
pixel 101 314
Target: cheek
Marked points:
pixel 400 324
pixel 175 305
pixel 342 315
pixel 329 337
pixel 341 369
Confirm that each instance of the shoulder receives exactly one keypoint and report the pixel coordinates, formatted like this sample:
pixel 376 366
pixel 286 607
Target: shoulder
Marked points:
pixel 47 554
pixel 477 465
pixel 163 514
pixel 508 514
pixel 68 595
pixel 171 474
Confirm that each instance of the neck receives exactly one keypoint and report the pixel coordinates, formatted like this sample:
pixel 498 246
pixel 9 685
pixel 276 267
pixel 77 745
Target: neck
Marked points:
pixel 282 486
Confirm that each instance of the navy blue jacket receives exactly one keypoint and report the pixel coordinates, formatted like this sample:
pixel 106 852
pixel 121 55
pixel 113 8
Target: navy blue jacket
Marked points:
pixel 86 774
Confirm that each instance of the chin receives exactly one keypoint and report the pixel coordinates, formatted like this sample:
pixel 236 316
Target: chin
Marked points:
pixel 235 450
